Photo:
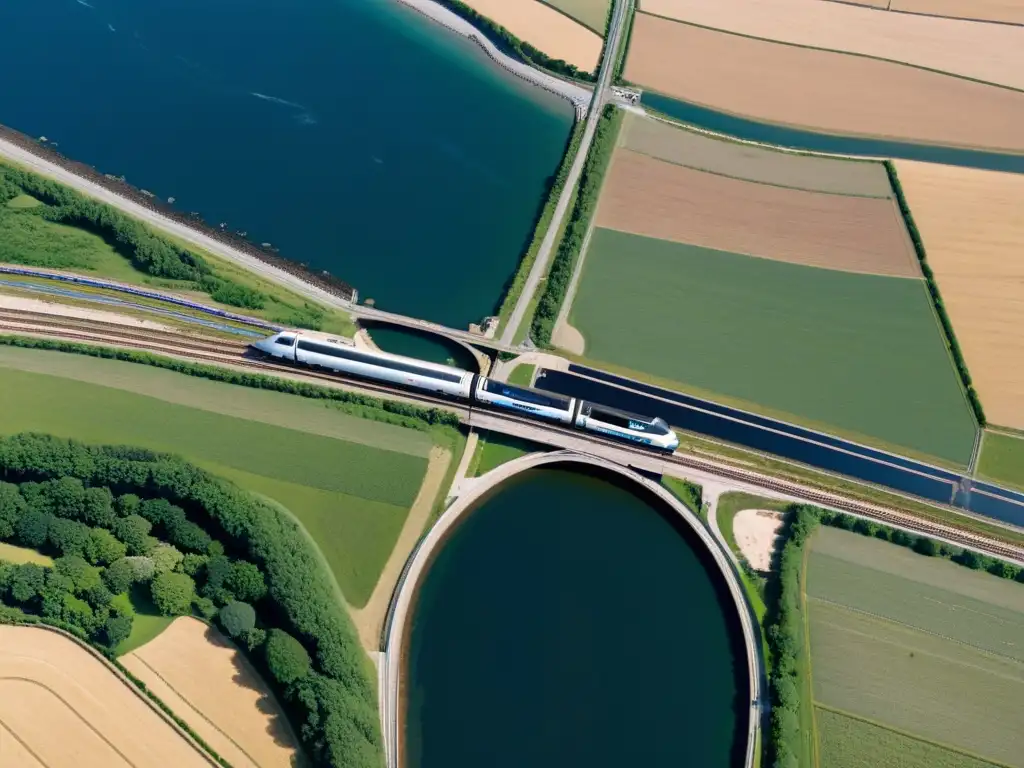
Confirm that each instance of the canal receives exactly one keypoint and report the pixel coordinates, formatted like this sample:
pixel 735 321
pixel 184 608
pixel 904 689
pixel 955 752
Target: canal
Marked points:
pixel 569 621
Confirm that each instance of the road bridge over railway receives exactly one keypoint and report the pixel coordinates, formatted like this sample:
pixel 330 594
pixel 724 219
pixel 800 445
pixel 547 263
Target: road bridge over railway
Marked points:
pixel 399 616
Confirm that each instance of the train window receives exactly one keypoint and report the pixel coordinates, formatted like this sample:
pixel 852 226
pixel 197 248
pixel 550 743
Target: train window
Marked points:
pixel 526 394
pixel 285 341
pixel 628 420
pixel 362 357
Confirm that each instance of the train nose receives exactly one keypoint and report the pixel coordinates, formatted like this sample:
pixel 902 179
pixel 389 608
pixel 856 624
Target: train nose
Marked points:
pixel 263 345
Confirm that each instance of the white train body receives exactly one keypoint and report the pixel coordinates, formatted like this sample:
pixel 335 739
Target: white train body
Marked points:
pixel 323 351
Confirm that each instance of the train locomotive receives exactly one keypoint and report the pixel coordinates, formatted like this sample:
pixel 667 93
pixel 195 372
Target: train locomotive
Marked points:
pixel 323 351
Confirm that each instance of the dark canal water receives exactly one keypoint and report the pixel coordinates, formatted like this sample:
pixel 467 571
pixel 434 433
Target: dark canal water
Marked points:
pixel 354 135
pixel 569 622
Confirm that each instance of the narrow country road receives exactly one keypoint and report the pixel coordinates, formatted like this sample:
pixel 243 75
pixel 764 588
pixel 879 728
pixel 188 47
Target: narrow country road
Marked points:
pixel 604 81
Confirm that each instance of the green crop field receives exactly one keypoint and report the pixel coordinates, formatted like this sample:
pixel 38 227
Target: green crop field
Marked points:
pixel 589 13
pixel 847 742
pixel 857 354
pixel 1002 459
pixel 353 493
pixel 943 664
pixel 494 449
pixel 522 374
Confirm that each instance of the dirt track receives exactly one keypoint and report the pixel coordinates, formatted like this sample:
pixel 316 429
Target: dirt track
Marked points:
pixel 68 709
pixel 545 29
pixel 831 92
pixel 746 161
pixel 972 225
pixel 990 10
pixel 990 52
pixel 859 234
pixel 210 686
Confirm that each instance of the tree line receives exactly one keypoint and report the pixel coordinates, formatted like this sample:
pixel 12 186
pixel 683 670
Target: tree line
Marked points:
pixel 120 518
pixel 936 296
pixel 560 274
pixel 785 632
pixel 521 49
pixel 149 253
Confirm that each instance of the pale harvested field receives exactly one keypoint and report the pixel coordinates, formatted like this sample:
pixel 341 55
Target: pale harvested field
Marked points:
pixel 1011 11
pixel 757 532
pixel 545 29
pixel 649 197
pixel 972 225
pixel 990 52
pixel 211 686
pixel 883 4
pixel 830 92
pixel 70 710
pixel 747 161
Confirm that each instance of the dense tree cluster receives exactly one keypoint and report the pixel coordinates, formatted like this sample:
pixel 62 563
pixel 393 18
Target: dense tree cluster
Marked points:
pixel 148 252
pixel 199 545
pixel 510 44
pixel 933 291
pixel 568 253
pixel 390 411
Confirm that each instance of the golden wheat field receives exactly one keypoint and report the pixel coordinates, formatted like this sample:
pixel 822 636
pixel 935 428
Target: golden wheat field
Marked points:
pixel 831 92
pixel 210 685
pixel 61 706
pixel 990 52
pixel 972 226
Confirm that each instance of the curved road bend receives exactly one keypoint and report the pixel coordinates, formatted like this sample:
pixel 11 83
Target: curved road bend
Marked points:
pixel 405 591
pixel 601 92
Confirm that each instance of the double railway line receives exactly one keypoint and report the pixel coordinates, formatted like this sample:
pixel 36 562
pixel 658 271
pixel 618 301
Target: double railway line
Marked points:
pixel 236 355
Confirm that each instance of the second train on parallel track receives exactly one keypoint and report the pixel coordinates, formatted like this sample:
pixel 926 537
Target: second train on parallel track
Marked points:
pixel 323 351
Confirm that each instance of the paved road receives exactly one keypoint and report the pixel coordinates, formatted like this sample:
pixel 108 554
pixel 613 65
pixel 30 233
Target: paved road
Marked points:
pixel 601 95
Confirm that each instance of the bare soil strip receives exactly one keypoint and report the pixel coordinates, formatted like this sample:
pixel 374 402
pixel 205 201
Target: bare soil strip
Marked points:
pixel 225 700
pixel 990 52
pixel 648 197
pixel 1006 11
pixel 972 225
pixel 68 709
pixel 369 619
pixel 747 161
pixel 545 29
pixel 831 92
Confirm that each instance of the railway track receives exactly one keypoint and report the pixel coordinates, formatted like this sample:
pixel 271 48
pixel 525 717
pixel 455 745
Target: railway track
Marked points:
pixel 229 353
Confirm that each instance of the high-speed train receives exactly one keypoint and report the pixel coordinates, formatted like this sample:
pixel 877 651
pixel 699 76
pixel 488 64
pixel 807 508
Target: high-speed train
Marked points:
pixel 322 351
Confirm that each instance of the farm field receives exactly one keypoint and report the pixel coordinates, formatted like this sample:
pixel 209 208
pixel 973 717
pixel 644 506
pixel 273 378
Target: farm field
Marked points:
pixel 204 679
pixel 645 196
pixel 1009 11
pixel 848 742
pixel 825 91
pixel 494 449
pixel 940 664
pixel 857 354
pixel 545 28
pixel 590 13
pixel 973 232
pixel 362 476
pixel 1002 459
pixel 51 686
pixel 989 52
pixel 680 146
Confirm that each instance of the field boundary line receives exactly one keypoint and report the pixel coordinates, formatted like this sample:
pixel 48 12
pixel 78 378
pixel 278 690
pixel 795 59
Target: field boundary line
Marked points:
pixel 890 9
pixel 896 622
pixel 907 734
pixel 806 619
pixel 853 54
pixel 135 688
pixel 4 728
pixel 190 705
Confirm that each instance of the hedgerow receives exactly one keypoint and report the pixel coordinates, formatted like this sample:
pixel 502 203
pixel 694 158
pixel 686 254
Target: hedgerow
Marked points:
pixel 333 704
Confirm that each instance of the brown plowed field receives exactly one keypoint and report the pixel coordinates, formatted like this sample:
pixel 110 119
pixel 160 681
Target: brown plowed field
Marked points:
pixel 648 197
pixel 972 225
pixel 1011 11
pixel 211 686
pixel 68 709
pixel 831 92
pixel 990 52
pixel 545 29
pixel 747 161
